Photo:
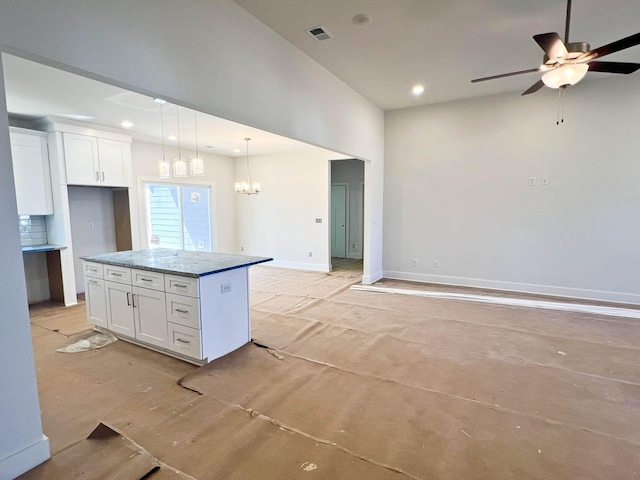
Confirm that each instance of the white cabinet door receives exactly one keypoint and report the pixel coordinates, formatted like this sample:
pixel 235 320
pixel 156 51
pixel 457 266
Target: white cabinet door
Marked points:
pixel 150 316
pixel 31 174
pixel 115 162
pixel 96 301
pixel 81 159
pixel 119 308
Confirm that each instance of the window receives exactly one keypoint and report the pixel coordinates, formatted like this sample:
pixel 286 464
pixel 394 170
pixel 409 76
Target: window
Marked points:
pixel 179 216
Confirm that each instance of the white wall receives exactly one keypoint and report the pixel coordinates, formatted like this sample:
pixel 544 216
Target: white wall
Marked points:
pixel 22 444
pixel 352 173
pixel 279 222
pixel 93 228
pixel 219 171
pixel 214 57
pixel 456 192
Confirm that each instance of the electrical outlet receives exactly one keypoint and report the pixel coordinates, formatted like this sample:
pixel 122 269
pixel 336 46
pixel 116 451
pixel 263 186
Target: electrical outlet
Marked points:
pixel 318 220
pixel 225 288
pixel 90 225
pixel 353 245
pixel 532 181
pixel 544 181
pixel 414 262
pixel 436 264
pixel 311 254
pixel 242 249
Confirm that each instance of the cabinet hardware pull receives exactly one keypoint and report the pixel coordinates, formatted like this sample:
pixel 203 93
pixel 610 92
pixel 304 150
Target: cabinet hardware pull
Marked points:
pixel 129 299
pixel 97 176
pixel 103 181
pixel 115 274
pixel 182 340
pixel 93 281
pixel 146 280
pixel 133 300
pixel 181 311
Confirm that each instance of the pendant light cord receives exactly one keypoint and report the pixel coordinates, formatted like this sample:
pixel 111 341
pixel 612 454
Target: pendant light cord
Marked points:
pixel 179 142
pixel 195 121
pixel 248 176
pixel 162 128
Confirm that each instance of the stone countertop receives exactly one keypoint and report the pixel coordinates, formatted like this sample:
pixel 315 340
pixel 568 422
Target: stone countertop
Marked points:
pixel 177 262
pixel 41 248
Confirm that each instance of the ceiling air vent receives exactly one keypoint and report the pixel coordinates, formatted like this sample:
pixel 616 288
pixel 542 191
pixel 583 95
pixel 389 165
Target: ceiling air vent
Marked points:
pixel 319 33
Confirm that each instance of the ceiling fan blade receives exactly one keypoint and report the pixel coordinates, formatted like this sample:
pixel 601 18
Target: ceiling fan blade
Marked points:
pixel 502 75
pixel 534 88
pixel 613 67
pixel 552 45
pixel 627 42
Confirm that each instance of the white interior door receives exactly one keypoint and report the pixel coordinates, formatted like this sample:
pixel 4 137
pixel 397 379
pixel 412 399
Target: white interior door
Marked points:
pixel 339 221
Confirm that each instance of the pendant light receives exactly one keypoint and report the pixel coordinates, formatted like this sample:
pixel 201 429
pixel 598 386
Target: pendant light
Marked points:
pixel 179 165
pixel 164 168
pixel 247 187
pixel 196 165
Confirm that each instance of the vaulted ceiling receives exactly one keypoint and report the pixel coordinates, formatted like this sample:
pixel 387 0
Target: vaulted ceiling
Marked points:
pixel 442 44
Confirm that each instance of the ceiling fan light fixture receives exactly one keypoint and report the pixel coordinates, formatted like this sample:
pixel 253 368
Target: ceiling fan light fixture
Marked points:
pixel 566 74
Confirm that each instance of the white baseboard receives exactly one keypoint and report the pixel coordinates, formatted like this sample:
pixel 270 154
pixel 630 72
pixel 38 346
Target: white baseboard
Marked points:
pixel 371 278
pixel 566 292
pixel 20 462
pixel 315 267
pixel 354 256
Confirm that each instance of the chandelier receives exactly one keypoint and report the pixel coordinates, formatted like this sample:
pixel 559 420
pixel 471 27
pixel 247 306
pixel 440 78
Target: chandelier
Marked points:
pixel 247 187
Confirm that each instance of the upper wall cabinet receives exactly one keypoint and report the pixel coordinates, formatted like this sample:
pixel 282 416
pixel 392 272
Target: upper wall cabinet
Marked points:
pixel 31 172
pixel 92 160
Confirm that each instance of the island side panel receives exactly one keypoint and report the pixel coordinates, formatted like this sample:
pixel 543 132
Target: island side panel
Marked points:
pixel 224 311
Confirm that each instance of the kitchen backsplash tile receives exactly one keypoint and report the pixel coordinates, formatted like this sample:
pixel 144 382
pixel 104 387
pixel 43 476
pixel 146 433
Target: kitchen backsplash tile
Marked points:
pixel 33 230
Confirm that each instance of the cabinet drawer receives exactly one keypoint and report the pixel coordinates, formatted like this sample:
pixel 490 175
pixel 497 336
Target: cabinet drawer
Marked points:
pixel 147 279
pixel 117 274
pixel 92 269
pixel 183 310
pixel 184 340
pixel 181 285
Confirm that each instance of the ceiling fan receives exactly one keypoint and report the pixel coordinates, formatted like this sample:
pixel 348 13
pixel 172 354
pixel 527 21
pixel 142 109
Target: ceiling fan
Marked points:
pixel 567 63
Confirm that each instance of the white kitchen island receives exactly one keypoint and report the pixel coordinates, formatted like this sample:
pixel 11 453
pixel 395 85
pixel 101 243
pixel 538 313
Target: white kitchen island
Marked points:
pixel 191 305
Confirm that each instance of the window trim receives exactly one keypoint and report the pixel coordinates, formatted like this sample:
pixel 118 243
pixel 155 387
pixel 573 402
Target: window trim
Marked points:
pixel 142 205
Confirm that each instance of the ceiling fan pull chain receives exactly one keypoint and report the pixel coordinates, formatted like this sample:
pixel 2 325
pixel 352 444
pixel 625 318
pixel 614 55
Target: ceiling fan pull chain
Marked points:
pixel 558 109
pixel 564 93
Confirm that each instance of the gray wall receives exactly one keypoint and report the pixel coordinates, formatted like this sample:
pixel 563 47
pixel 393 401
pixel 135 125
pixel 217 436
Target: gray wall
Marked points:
pixel 93 229
pixel 456 191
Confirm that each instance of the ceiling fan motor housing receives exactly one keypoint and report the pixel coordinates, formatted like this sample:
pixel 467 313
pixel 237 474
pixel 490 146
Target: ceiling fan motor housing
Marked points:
pixel 575 49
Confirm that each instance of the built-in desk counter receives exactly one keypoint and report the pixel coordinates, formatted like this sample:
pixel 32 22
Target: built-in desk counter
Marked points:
pixel 192 305
pixel 54 270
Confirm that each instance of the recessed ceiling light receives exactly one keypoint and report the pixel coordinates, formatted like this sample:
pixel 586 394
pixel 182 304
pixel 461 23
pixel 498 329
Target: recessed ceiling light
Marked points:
pixel 159 100
pixel 208 146
pixel 236 150
pixel 418 90
pixel 361 19
pixel 126 124
pixel 172 137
